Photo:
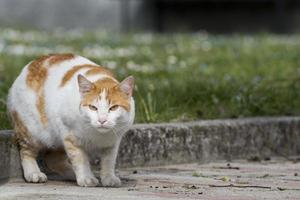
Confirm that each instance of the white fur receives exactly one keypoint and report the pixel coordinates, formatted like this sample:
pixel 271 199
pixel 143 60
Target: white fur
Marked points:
pixel 65 116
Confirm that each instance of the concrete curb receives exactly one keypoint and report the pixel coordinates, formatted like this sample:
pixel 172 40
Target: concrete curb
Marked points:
pixel 203 141
pixel 4 155
pixel 199 141
pixel 9 157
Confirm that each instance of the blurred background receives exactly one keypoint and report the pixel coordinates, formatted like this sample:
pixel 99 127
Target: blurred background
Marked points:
pixel 218 16
pixel 192 59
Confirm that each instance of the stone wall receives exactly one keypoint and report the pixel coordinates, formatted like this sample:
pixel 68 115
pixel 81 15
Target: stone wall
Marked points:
pixel 209 140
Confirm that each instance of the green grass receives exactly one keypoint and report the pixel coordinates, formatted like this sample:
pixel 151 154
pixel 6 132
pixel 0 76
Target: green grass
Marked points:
pixel 178 77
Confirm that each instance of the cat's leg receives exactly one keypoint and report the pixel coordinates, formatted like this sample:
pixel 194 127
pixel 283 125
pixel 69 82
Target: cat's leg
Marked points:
pixel 31 170
pixel 80 163
pixel 108 162
pixel 28 151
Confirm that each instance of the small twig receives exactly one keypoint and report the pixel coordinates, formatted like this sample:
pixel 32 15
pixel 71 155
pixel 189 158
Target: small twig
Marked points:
pixel 282 188
pixel 227 167
pixel 237 168
pixel 242 186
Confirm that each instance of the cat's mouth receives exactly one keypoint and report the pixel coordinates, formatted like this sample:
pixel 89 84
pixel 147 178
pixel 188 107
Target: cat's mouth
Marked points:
pixel 103 128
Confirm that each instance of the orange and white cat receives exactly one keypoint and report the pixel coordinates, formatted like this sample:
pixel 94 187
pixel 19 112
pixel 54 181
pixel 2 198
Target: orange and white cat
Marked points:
pixel 69 105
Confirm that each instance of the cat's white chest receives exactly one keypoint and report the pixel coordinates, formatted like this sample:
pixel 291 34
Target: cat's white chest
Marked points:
pixel 93 139
pixel 104 140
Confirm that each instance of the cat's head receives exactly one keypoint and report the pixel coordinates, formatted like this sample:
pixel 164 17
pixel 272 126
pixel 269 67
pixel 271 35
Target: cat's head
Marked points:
pixel 105 104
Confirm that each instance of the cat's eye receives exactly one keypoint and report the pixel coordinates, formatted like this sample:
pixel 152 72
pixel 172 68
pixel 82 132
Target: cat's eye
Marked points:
pixel 94 108
pixel 114 107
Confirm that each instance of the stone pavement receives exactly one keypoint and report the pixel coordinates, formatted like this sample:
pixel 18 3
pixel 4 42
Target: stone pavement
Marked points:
pixel 272 179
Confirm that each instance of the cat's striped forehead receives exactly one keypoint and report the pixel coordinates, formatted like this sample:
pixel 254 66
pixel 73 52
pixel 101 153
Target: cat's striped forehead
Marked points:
pixel 107 89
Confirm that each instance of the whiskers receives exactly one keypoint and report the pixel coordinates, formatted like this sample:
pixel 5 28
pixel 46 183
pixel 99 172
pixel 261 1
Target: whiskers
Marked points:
pixel 118 130
pixel 119 133
pixel 115 132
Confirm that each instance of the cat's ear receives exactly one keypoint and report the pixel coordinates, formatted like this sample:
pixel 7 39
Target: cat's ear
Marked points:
pixel 127 85
pixel 85 85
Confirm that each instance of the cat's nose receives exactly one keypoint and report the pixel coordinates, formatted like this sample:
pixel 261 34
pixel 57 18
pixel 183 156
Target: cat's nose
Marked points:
pixel 102 120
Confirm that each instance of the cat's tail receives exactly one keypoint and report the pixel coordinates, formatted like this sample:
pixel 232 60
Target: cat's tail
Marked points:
pixel 57 162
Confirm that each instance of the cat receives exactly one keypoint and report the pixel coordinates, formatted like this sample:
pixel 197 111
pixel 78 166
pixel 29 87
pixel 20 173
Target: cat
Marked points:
pixel 71 107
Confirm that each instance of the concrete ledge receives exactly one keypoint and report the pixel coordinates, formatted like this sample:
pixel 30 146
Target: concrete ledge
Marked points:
pixel 199 141
pixel 202 141
pixel 4 155
pixel 9 157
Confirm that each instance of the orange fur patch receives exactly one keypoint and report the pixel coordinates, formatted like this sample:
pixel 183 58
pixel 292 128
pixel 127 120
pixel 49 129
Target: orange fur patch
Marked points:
pixel 74 151
pixel 69 74
pixel 37 73
pixel 99 70
pixel 114 95
pixel 28 153
pixel 21 132
pixel 93 69
pixel 22 136
pixel 35 79
pixel 40 104
pixel 57 58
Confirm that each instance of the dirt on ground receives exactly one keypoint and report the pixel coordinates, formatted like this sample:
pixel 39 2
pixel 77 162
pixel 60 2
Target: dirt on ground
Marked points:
pixel 245 180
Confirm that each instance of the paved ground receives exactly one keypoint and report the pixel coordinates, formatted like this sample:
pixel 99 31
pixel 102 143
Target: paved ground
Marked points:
pixel 274 179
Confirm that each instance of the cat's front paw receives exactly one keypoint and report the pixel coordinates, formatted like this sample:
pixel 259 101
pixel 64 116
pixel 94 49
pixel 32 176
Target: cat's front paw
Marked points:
pixel 35 177
pixel 110 181
pixel 87 181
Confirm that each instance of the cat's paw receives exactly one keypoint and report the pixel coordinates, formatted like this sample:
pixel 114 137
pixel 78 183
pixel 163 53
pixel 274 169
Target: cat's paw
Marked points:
pixel 87 181
pixel 110 181
pixel 35 177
